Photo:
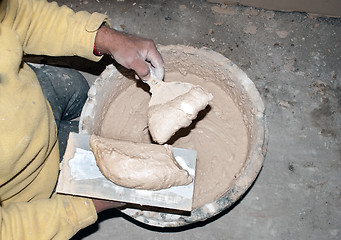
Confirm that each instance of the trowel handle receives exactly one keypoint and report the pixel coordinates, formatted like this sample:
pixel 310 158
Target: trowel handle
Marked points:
pixel 156 76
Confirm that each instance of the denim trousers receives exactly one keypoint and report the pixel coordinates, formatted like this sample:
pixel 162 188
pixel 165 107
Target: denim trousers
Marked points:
pixel 66 91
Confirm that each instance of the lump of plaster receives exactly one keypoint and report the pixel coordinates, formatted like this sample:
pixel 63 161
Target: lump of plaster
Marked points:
pixel 138 165
pixel 166 119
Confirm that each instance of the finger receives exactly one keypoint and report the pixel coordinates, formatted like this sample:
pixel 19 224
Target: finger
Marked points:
pixel 157 63
pixel 159 73
pixel 155 58
pixel 140 66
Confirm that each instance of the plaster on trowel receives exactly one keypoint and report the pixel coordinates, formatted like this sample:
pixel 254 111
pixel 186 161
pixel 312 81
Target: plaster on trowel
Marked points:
pixel 163 92
pixel 173 105
pixel 80 176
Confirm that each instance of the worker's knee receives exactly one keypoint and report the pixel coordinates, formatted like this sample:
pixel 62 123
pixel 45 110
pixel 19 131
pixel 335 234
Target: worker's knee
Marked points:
pixel 65 88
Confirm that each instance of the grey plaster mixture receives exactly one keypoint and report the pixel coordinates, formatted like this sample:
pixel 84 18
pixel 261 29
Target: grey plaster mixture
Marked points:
pixel 294 61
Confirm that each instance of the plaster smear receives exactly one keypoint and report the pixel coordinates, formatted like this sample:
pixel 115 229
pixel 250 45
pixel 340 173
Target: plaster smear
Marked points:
pixel 218 134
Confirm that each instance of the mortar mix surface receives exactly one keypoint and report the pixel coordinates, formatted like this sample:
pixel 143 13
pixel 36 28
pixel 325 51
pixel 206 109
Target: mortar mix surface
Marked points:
pixel 294 60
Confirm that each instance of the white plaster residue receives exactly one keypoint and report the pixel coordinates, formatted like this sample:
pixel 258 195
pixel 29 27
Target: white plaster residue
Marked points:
pixel 210 207
pixel 251 29
pixel 282 34
pixel 187 108
pixel 83 165
pixel 36 65
pixel 183 164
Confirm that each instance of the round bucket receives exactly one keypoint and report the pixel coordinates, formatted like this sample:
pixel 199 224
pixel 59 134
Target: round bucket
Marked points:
pixel 210 65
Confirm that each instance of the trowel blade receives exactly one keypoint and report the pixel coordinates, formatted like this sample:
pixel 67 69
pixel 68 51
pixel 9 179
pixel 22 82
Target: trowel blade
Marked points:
pixel 164 92
pixel 80 176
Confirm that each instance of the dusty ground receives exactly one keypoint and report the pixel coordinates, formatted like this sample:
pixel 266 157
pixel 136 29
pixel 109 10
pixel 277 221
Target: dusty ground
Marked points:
pixel 294 61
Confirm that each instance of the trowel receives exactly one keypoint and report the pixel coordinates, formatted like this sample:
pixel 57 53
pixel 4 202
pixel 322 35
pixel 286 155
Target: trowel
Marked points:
pixel 80 176
pixel 173 105
pixel 163 92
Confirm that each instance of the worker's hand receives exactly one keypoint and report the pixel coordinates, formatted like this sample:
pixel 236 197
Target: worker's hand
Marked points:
pixel 102 205
pixel 130 51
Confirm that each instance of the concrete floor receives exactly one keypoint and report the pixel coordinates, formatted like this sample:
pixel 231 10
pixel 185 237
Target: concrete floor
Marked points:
pixel 294 61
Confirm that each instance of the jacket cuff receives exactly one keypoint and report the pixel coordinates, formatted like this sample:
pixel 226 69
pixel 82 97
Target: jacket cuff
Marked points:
pixel 82 213
pixel 95 21
pixel 93 24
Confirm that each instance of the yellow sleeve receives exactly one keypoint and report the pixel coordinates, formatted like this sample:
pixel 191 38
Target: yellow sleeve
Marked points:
pixel 38 219
pixel 48 29
pixel 29 156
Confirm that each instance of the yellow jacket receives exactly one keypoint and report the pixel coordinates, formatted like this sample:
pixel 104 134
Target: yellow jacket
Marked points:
pixel 29 158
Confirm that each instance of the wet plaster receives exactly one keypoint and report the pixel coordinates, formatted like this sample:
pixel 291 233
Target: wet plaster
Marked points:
pixel 294 61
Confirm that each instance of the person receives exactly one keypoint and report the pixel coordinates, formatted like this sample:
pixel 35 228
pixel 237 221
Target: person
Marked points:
pixel 29 147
